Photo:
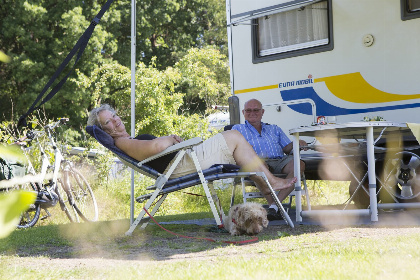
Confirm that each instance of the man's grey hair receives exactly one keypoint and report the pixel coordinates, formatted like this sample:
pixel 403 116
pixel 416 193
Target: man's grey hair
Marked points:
pixel 93 115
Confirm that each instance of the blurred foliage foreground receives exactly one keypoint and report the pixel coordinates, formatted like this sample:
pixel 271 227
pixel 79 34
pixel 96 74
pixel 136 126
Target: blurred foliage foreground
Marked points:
pixel 12 202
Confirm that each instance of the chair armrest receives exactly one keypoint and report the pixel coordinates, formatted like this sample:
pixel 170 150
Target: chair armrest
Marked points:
pixel 174 148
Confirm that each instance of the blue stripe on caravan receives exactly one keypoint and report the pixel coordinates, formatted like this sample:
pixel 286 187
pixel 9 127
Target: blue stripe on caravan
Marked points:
pixel 324 108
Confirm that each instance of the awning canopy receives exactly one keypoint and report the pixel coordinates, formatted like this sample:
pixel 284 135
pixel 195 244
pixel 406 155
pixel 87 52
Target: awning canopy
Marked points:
pixel 250 15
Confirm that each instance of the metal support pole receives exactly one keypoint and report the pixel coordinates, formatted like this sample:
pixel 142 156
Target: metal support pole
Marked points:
pixel 230 53
pixel 133 96
pixel 371 174
pixel 298 184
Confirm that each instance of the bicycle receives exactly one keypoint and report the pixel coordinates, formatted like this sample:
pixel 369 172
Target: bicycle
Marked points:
pixel 7 173
pixel 67 186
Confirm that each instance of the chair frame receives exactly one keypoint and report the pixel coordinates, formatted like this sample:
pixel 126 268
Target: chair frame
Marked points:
pixel 164 185
pixel 250 195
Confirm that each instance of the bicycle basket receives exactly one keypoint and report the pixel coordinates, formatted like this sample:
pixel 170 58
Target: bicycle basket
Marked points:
pixel 5 170
pixel 18 170
pixel 10 169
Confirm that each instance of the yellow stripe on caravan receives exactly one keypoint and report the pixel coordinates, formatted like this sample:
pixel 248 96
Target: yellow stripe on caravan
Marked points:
pixel 353 87
pixel 255 89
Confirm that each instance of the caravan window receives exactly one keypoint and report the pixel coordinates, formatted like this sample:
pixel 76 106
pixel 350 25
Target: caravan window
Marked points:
pixel 298 31
pixel 410 9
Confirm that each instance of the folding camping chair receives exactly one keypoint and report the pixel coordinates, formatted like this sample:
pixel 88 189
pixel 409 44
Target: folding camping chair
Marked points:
pixel 250 194
pixel 163 185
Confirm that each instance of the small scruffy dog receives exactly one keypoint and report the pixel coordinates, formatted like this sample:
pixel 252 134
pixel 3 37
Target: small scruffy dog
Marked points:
pixel 246 218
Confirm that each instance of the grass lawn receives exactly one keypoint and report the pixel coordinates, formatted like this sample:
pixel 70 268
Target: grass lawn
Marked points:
pixel 102 251
pixel 56 249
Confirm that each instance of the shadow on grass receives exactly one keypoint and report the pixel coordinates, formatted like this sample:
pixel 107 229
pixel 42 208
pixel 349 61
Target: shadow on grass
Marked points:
pixel 107 239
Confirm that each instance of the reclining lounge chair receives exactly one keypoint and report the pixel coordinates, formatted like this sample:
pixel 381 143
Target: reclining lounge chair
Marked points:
pixel 164 185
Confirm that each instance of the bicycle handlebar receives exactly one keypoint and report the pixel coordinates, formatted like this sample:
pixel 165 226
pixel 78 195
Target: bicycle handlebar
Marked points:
pixel 33 134
pixel 61 121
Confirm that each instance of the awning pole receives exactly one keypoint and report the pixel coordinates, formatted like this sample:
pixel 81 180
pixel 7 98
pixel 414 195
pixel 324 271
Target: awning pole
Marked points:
pixel 133 96
pixel 229 34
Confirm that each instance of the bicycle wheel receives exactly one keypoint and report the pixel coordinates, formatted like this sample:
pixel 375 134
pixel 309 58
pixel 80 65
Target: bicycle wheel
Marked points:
pixel 82 197
pixel 63 200
pixel 30 217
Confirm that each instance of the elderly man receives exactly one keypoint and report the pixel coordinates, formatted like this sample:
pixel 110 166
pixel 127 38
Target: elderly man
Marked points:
pixel 272 145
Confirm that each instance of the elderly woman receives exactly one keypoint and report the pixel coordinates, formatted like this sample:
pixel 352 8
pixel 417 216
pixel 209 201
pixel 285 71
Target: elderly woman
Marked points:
pixel 228 147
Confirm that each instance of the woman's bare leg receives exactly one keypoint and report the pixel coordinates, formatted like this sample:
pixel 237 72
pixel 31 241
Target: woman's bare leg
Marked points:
pixel 289 171
pixel 248 160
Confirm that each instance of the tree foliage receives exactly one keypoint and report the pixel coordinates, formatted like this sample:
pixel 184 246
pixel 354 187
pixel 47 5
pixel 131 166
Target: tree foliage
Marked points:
pixel 177 73
pixel 38 35
pixel 204 79
pixel 161 93
pixel 168 28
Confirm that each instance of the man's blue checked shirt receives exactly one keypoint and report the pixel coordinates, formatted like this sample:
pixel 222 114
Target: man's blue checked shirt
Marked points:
pixel 268 144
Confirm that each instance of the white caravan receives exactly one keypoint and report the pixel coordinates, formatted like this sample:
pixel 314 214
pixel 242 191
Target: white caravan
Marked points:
pixel 348 59
pixel 352 58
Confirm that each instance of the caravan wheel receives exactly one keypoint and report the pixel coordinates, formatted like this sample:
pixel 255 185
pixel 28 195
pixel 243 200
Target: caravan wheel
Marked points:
pixel 402 176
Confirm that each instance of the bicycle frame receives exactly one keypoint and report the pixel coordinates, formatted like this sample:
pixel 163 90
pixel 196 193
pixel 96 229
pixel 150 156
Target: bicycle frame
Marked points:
pixel 46 195
pixel 58 157
pixel 58 164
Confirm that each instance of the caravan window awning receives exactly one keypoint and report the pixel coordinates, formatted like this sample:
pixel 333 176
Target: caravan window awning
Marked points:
pixel 270 10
